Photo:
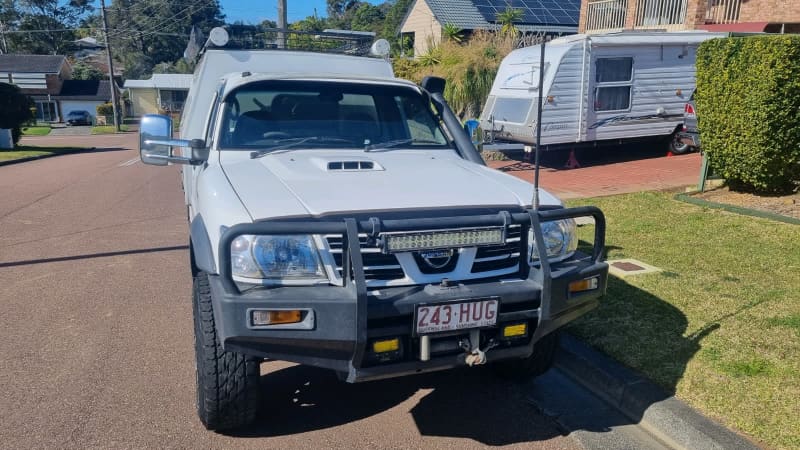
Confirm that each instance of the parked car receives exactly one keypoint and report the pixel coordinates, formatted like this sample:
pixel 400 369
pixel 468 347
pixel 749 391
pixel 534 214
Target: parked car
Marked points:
pixel 341 217
pixel 79 118
pixel 688 139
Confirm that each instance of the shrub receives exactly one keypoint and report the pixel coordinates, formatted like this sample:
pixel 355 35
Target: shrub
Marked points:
pixel 15 109
pixel 105 109
pixel 469 69
pixel 748 103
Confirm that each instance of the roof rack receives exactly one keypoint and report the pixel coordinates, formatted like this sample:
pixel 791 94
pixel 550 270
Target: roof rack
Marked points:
pixel 328 41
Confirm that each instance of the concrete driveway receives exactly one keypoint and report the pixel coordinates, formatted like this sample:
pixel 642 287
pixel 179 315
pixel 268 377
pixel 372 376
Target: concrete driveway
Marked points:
pixel 63 130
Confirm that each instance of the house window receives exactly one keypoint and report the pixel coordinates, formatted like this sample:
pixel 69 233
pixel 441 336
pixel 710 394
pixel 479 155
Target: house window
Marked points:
pixel 407 43
pixel 613 78
pixel 46 111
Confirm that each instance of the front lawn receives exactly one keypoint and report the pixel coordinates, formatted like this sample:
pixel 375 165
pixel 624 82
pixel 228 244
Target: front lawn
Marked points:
pixel 35 131
pixel 23 151
pixel 721 324
pixel 108 129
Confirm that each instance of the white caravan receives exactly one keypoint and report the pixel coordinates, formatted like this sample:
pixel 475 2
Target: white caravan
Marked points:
pixel 596 87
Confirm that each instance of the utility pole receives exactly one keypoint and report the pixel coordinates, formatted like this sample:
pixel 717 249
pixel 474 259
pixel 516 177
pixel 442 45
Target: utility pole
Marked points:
pixel 282 23
pixel 110 65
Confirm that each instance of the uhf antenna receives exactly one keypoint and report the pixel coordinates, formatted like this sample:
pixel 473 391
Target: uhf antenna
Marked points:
pixel 538 129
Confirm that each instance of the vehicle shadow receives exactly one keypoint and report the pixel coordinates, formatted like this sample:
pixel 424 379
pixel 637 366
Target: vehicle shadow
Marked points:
pixel 466 403
pixel 587 156
pixel 477 404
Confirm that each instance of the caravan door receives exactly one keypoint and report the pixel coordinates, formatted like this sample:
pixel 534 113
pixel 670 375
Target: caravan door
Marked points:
pixel 611 80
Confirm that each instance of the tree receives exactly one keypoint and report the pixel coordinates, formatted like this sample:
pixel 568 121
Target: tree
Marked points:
pixel 338 8
pixel 146 33
pixel 507 18
pixel 83 71
pixel 452 33
pixel 368 18
pixel 391 25
pixel 46 26
pixel 15 109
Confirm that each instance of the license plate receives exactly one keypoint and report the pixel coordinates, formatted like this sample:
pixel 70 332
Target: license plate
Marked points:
pixel 456 316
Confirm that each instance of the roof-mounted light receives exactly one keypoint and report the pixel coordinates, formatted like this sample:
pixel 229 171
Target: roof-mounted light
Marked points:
pixel 380 48
pixel 218 36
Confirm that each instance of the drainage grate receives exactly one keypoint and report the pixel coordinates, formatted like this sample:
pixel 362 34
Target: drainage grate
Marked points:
pixel 628 267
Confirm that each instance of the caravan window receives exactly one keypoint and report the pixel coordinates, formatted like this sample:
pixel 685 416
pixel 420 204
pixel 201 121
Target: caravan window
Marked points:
pixel 514 110
pixel 613 89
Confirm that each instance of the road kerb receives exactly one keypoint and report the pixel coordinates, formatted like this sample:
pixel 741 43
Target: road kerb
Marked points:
pixel 665 417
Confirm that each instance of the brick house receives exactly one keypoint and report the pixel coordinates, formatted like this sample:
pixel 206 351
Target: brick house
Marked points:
pixel 47 79
pixel 773 16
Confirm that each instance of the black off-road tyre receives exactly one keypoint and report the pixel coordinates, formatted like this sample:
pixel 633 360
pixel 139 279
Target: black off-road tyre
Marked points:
pixel 540 361
pixel 227 382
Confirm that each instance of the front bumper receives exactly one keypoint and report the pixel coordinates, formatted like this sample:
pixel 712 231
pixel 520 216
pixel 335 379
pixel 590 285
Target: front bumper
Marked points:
pixel 346 319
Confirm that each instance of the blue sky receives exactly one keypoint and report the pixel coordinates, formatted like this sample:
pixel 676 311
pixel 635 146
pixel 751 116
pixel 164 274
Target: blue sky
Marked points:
pixel 254 11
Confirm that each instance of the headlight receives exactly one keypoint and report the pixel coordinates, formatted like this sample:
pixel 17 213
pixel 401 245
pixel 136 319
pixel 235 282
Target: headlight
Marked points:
pixel 279 257
pixel 560 239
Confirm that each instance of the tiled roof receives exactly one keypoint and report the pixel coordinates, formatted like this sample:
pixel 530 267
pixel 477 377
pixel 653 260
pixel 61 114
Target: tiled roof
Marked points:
pixel 85 90
pixel 31 63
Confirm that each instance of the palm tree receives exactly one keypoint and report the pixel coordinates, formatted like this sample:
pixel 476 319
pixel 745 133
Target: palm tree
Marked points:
pixel 452 33
pixel 507 18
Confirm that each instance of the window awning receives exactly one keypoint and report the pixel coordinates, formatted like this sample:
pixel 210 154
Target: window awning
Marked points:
pixel 744 27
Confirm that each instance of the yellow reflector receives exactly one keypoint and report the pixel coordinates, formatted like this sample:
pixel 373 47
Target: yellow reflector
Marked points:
pixel 583 285
pixel 390 345
pixel 515 330
pixel 264 317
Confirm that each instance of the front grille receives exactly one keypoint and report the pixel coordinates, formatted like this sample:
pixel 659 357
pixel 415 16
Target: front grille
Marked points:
pixel 377 266
pixel 500 257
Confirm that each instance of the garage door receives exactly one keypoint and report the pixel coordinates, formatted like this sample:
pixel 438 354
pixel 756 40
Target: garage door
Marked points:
pixel 74 105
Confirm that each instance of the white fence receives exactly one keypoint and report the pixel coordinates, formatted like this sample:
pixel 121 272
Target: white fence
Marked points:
pixel 723 11
pixel 606 15
pixel 662 14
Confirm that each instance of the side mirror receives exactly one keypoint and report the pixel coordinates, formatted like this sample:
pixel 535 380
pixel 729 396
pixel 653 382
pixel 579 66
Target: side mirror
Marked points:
pixel 156 142
pixel 152 128
pixel 434 85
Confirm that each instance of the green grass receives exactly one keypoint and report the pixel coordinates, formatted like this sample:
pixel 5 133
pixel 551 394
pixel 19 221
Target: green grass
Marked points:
pixel 107 129
pixel 720 326
pixel 25 152
pixel 35 131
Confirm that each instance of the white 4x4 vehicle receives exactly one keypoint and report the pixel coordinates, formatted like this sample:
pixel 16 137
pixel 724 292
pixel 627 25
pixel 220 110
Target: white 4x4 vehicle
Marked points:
pixel 341 218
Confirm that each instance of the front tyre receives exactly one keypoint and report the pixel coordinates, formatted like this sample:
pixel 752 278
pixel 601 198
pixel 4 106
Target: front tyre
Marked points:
pixel 544 353
pixel 227 382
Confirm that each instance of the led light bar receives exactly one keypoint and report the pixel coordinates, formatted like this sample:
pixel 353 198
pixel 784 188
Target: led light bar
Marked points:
pixel 436 239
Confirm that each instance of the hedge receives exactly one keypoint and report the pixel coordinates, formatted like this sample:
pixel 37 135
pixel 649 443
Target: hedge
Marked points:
pixel 15 109
pixel 748 108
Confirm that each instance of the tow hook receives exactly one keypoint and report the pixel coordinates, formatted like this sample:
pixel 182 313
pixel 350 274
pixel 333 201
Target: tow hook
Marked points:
pixel 476 356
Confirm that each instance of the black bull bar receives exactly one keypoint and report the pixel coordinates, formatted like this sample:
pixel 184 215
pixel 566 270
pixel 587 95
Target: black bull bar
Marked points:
pixel 551 312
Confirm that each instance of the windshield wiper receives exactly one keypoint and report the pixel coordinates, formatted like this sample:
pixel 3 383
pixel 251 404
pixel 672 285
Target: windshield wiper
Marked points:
pixel 294 143
pixel 397 143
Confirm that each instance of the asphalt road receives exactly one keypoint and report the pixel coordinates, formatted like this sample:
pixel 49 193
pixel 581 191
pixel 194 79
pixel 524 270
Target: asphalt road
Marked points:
pixel 97 339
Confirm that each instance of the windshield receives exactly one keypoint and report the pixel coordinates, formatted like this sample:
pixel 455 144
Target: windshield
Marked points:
pixel 281 115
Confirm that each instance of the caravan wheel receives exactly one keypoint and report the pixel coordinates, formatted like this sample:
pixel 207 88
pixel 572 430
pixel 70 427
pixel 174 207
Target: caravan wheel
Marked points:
pixel 676 146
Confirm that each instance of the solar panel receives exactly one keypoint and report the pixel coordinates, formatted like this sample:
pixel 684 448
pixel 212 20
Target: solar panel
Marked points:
pixel 534 12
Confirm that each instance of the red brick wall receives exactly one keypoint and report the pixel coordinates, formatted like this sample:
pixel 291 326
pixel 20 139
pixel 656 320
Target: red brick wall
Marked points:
pixel 779 11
